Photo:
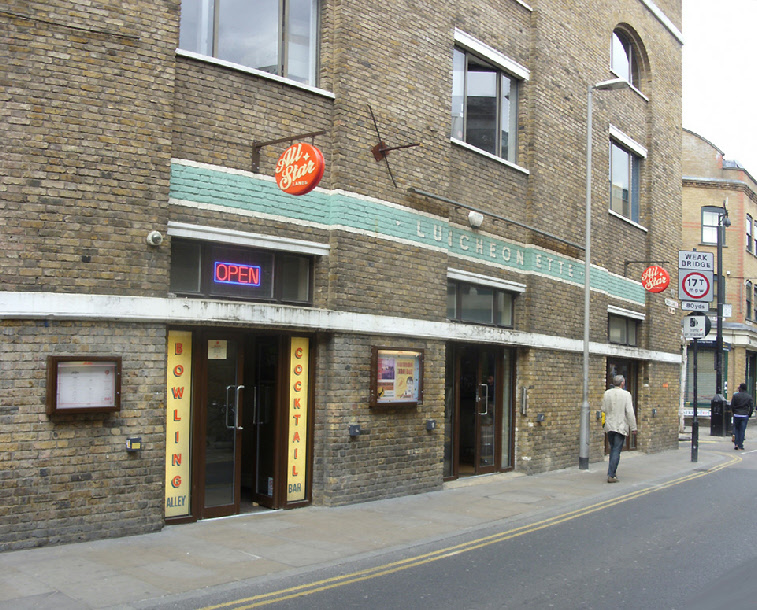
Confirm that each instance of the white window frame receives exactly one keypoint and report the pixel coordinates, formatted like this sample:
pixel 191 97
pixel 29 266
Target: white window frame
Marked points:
pixel 506 67
pixel 206 46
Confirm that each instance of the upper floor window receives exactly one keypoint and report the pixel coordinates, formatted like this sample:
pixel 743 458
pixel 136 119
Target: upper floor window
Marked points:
pixel 749 241
pixel 624 61
pixel 276 36
pixel 748 301
pixel 710 219
pixel 481 304
pixel 484 105
pixel 624 182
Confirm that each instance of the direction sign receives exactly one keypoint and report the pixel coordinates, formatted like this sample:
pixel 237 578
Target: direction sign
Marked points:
pixel 696 261
pixel 695 286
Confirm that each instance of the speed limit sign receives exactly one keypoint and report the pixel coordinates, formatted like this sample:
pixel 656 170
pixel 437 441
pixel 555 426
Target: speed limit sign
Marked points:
pixel 696 286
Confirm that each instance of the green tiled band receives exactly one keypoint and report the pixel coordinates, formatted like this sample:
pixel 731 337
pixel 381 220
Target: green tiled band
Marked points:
pixel 215 186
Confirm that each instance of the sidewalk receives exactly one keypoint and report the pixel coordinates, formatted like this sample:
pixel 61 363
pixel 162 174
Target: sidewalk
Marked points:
pixel 128 572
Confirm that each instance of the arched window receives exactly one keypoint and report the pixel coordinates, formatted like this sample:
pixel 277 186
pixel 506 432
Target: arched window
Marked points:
pixel 624 61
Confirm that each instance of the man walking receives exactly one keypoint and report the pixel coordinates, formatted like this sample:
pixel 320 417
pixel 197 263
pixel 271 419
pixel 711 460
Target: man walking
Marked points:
pixel 742 407
pixel 617 408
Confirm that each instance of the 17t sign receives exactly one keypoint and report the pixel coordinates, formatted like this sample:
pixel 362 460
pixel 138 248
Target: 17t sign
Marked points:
pixel 695 286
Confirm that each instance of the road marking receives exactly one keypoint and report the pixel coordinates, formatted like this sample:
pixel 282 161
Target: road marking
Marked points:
pixel 472 545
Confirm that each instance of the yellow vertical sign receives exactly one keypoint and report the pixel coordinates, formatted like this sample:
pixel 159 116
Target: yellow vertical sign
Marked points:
pixel 178 395
pixel 298 418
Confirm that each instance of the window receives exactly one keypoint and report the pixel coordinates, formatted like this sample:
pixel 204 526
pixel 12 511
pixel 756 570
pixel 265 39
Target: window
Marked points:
pixel 748 302
pixel 624 182
pixel 204 269
pixel 710 218
pixel 484 105
pixel 276 36
pixel 749 242
pixel 481 304
pixel 622 330
pixel 623 58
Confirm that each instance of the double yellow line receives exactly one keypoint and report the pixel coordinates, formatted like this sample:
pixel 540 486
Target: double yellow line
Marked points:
pixel 405 564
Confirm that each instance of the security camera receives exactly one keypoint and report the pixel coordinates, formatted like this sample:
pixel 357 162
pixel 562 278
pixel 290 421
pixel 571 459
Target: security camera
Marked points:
pixel 475 219
pixel 154 238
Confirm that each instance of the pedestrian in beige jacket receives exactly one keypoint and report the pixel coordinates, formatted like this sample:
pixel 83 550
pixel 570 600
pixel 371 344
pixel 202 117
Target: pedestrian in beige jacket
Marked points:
pixel 619 418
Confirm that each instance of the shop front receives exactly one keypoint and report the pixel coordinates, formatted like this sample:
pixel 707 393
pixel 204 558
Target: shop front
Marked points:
pixel 238 432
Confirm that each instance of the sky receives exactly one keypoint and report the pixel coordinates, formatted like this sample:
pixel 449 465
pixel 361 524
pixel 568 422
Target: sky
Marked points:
pixel 719 77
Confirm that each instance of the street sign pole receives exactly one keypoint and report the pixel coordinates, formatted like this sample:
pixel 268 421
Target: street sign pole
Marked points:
pixel 694 420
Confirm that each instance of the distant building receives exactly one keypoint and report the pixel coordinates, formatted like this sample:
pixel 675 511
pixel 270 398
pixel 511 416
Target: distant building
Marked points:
pixel 710 183
pixel 182 339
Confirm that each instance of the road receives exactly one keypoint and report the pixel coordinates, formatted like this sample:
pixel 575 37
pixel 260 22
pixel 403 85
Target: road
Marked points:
pixel 685 544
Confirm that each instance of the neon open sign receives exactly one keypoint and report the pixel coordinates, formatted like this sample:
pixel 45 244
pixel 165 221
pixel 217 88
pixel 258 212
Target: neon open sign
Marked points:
pixel 236 273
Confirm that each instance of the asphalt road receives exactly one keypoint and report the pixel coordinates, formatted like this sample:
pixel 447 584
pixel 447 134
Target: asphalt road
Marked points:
pixel 687 544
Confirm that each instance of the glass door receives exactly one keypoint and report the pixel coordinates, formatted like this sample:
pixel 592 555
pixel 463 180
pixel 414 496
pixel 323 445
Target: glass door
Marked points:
pixel 478 398
pixel 263 435
pixel 221 482
pixel 629 370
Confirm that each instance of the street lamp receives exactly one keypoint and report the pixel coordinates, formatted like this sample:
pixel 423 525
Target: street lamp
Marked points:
pixel 583 437
pixel 718 402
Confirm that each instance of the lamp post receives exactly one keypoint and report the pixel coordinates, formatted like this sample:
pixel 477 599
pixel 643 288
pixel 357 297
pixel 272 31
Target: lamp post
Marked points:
pixel 583 437
pixel 718 401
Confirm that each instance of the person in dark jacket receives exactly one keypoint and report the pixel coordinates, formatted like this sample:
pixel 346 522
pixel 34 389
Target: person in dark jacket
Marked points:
pixel 742 407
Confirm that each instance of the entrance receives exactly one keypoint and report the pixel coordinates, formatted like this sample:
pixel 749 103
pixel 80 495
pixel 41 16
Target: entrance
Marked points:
pixel 479 411
pixel 629 369
pixel 237 437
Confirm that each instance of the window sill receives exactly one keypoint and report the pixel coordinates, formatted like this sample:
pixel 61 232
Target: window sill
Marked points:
pixel 510 164
pixel 254 72
pixel 628 220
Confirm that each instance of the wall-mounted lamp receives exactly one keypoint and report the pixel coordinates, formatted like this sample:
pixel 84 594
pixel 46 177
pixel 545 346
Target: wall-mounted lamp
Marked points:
pixel 430 425
pixel 540 417
pixel 354 430
pixel 475 219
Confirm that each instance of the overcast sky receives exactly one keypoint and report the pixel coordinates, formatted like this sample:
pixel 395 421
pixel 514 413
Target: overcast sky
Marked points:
pixel 719 77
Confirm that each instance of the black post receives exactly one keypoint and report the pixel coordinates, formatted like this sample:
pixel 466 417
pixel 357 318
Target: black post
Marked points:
pixel 694 420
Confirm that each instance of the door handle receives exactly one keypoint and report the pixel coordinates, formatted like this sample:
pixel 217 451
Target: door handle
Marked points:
pixel 486 399
pixel 236 409
pixel 255 405
pixel 228 387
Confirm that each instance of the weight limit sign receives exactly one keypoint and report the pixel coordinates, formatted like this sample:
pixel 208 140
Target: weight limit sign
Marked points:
pixel 696 286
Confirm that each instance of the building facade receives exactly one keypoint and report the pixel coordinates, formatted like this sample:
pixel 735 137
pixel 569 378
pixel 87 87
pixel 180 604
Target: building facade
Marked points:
pixel 714 187
pixel 183 339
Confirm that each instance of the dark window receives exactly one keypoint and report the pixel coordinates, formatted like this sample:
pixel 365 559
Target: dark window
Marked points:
pixel 622 330
pixel 748 303
pixel 214 270
pixel 480 304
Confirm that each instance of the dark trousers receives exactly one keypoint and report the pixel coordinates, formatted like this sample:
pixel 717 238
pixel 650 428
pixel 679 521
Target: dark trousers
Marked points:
pixel 616 440
pixel 739 429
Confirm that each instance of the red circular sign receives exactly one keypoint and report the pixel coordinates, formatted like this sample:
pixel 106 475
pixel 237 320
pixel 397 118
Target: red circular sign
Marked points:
pixel 695 285
pixel 655 279
pixel 299 169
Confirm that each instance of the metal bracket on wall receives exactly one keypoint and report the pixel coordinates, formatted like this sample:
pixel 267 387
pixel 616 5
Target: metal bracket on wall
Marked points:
pixel 626 263
pixel 256 146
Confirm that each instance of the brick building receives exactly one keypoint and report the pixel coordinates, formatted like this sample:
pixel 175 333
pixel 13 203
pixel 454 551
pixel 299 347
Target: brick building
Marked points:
pixel 712 186
pixel 181 339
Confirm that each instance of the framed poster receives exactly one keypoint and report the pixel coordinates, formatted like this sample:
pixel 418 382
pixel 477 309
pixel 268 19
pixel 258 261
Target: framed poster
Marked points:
pixel 396 377
pixel 83 384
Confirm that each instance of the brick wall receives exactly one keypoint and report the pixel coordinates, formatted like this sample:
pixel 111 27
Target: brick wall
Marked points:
pixel 66 478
